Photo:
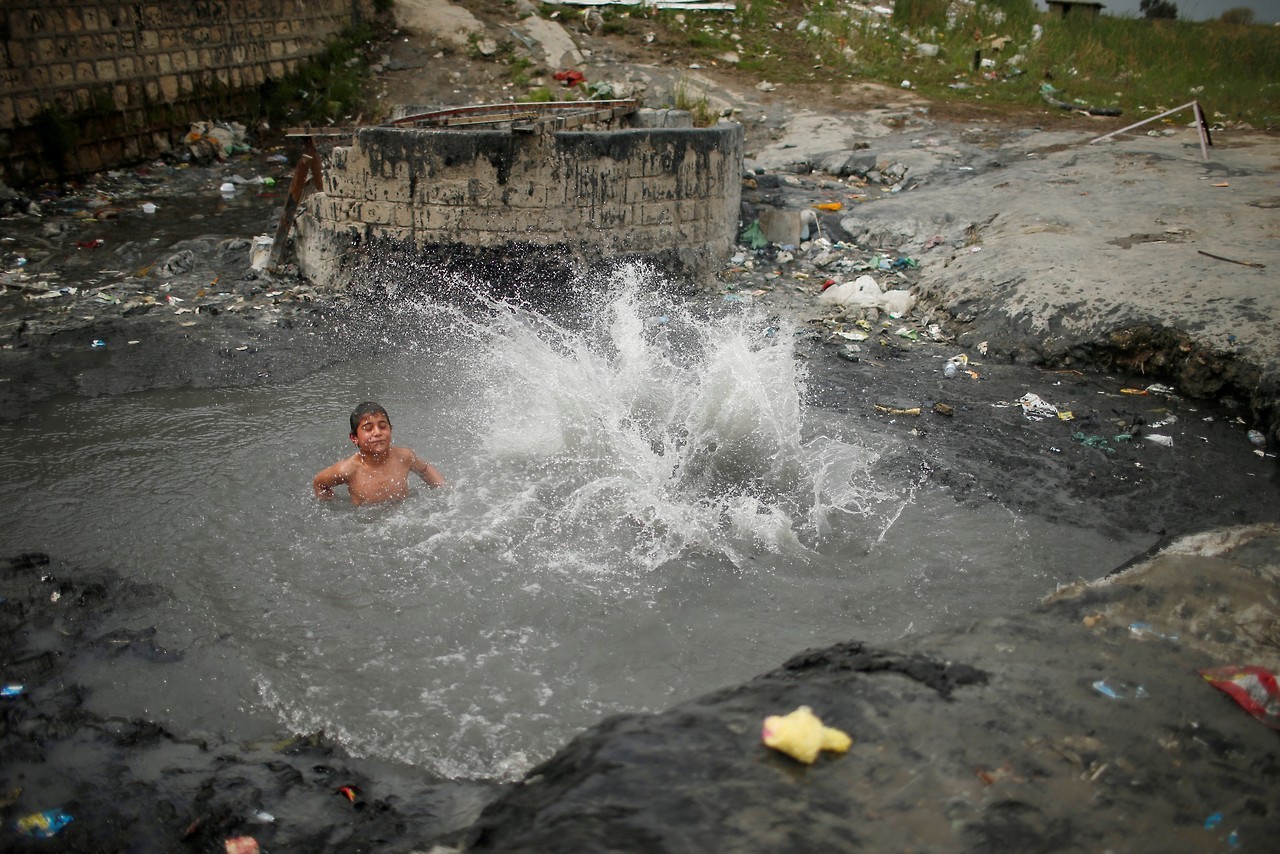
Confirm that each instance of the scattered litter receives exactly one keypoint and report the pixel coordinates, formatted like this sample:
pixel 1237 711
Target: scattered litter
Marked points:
pixel 829 206
pixel 43 825
pixel 242 845
pixel 753 236
pixel 1159 439
pixel 1156 388
pixel 1253 687
pixel 802 735
pixel 1134 391
pixel 1035 407
pixel 945 409
pixel 862 292
pixel 260 252
pixel 1048 93
pixel 148 207
pixel 1146 631
pixel 216 140
pixel 1119 690
pixel 98 344
pixel 348 792
pixel 1099 442
pixel 569 77
pixel 885 409
pixel 13 689
pixel 686 5
pixel 990 778
pixel 897 303
pixel 1257 439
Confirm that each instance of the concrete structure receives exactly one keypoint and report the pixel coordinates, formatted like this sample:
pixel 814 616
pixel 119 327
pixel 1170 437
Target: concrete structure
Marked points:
pixel 547 202
pixel 1079 8
pixel 89 84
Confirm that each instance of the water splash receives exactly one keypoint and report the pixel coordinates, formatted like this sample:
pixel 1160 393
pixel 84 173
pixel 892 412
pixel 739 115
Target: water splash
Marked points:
pixel 652 431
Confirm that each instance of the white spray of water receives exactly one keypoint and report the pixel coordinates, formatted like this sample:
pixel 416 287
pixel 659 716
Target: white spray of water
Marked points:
pixel 652 432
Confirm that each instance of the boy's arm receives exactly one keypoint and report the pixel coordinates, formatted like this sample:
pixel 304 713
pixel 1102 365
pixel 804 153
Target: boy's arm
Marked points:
pixel 430 474
pixel 323 483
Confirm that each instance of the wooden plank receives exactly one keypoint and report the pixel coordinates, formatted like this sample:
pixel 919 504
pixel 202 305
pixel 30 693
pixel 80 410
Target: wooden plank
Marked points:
pixel 685 5
pixel 307 170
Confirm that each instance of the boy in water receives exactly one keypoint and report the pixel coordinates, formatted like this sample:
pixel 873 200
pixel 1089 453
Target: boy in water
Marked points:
pixel 377 471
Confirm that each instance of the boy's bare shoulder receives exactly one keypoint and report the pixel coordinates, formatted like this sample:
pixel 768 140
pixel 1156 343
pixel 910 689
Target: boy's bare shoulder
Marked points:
pixel 346 466
pixel 407 455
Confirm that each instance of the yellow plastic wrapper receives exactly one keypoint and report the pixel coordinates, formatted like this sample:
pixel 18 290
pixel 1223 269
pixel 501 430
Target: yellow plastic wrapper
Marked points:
pixel 802 735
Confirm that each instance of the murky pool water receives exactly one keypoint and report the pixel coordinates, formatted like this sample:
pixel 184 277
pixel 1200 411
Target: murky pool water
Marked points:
pixel 639 512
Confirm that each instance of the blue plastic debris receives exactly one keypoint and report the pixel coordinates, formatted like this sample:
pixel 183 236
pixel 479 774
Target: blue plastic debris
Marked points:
pixel 42 825
pixel 1119 690
pixel 1146 630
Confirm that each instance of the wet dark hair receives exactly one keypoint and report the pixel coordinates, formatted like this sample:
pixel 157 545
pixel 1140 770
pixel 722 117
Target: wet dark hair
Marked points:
pixel 366 408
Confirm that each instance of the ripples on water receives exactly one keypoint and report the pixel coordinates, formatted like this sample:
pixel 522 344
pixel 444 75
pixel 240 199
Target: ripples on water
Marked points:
pixel 642 509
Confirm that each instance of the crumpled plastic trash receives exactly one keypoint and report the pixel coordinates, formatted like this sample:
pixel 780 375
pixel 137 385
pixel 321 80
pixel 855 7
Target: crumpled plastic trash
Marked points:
pixel 862 292
pixel 897 303
pixel 753 236
pixel 1089 441
pixel 1253 687
pixel 1035 407
pixel 569 77
pixel 208 140
pixel 802 735
pixel 43 825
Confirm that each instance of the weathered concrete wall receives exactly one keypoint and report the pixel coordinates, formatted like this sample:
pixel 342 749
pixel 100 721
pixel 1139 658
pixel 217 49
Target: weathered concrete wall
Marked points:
pixel 670 194
pixel 87 84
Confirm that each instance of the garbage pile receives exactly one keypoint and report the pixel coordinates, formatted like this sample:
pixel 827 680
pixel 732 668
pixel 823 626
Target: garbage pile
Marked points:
pixel 120 245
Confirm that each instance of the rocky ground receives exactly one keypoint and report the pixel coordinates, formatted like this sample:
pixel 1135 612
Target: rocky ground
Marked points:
pixel 1107 372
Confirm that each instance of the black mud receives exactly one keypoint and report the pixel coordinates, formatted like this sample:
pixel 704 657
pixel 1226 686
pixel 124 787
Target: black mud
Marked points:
pixel 134 785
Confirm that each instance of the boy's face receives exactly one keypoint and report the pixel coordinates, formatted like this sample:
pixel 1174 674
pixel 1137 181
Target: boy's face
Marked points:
pixel 373 434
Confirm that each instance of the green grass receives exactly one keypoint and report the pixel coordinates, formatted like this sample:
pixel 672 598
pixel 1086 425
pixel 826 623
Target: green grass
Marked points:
pixel 1135 65
pixel 332 87
pixel 689 98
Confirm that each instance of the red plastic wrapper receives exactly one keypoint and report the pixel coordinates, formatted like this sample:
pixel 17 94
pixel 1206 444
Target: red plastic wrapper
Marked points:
pixel 569 77
pixel 1252 687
